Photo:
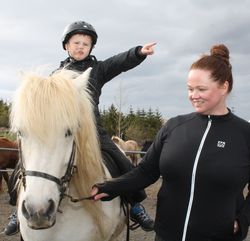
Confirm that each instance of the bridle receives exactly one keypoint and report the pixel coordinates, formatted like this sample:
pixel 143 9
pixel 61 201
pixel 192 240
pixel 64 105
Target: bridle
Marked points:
pixel 62 183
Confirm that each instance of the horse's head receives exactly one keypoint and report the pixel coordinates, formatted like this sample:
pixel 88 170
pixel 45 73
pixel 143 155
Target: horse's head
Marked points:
pixel 47 113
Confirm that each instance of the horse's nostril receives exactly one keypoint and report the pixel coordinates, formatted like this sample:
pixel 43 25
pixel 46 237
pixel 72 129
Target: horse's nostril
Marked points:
pixel 25 211
pixel 51 208
pixel 29 213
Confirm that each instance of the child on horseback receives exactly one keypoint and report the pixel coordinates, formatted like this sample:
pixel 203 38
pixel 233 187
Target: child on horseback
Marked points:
pixel 79 39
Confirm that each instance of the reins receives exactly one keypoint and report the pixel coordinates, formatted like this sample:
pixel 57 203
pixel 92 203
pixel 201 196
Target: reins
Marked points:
pixel 74 200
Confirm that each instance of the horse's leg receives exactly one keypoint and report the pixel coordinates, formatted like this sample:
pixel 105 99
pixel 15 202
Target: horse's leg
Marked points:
pixel 3 175
pixel 135 160
pixel 6 177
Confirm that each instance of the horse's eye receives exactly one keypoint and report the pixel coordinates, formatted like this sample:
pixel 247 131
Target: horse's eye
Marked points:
pixel 68 133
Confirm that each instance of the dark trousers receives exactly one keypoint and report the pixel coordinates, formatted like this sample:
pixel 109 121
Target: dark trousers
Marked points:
pixel 118 164
pixel 157 238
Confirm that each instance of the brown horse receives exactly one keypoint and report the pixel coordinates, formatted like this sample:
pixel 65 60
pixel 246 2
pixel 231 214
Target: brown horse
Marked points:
pixel 8 158
pixel 128 147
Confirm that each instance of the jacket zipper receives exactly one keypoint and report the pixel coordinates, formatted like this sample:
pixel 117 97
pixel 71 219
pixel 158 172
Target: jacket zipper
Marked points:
pixel 193 179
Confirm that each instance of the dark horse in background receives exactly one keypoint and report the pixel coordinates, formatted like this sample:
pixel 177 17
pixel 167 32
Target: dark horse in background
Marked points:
pixel 8 158
pixel 146 144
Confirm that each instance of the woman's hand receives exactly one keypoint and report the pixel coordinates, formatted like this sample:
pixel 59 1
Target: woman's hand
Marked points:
pixel 96 196
pixel 148 49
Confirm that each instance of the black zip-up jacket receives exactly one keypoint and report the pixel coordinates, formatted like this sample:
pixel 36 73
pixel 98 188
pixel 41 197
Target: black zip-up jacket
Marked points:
pixel 204 162
pixel 103 71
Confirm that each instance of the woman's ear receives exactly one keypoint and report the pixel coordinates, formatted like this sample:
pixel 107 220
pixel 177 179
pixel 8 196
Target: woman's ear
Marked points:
pixel 225 87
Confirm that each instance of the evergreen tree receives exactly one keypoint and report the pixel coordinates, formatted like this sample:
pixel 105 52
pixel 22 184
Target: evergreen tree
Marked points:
pixel 137 126
pixel 4 113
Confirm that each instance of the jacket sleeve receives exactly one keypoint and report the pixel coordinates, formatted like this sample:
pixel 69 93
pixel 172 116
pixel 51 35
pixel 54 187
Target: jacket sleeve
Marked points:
pixel 146 173
pixel 119 63
pixel 243 203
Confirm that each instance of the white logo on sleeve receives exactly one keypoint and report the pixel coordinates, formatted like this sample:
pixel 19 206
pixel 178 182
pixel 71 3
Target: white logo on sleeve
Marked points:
pixel 221 144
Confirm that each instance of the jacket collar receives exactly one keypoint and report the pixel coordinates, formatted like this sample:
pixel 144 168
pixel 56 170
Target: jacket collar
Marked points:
pixel 218 118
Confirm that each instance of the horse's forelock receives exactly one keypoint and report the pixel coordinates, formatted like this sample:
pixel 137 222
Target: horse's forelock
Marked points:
pixel 46 105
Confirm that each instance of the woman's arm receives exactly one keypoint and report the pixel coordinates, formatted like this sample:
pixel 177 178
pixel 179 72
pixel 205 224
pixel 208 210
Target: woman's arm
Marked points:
pixel 146 173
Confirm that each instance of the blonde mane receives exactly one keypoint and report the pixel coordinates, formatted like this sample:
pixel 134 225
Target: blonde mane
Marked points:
pixel 44 106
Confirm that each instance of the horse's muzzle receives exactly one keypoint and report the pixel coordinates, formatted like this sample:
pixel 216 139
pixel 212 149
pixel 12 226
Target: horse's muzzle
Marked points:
pixel 40 219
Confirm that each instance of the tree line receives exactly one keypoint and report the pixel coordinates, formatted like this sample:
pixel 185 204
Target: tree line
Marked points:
pixel 139 125
pixel 4 113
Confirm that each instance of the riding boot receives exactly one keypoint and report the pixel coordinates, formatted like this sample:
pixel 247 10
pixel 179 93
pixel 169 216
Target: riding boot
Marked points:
pixel 13 225
pixel 139 215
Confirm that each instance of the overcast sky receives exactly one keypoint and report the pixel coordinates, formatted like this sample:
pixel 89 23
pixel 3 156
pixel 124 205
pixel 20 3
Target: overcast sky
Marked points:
pixel 31 33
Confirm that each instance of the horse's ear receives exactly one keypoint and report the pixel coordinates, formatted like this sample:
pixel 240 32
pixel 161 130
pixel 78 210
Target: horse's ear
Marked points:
pixel 82 80
pixel 86 73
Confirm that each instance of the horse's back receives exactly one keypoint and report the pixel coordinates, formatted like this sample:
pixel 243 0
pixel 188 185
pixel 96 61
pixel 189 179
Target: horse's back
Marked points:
pixel 119 142
pixel 132 145
pixel 8 158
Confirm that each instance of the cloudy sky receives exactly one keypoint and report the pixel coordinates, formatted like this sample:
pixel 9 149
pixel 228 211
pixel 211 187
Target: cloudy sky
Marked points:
pixel 184 29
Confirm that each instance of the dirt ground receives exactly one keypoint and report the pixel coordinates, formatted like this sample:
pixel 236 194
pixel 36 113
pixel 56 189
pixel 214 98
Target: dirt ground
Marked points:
pixel 136 235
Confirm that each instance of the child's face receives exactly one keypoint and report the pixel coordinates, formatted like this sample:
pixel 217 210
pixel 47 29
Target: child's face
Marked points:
pixel 79 46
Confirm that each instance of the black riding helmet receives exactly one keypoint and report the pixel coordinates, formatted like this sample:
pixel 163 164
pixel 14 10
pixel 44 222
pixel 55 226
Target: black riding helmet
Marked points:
pixel 79 27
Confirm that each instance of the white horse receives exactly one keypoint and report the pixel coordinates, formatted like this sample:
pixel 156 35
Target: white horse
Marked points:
pixel 60 160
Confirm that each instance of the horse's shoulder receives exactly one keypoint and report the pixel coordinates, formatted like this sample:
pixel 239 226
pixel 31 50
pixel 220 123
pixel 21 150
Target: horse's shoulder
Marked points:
pixel 132 144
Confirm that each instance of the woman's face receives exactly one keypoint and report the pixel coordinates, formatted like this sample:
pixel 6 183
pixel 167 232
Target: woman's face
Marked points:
pixel 207 96
pixel 79 46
